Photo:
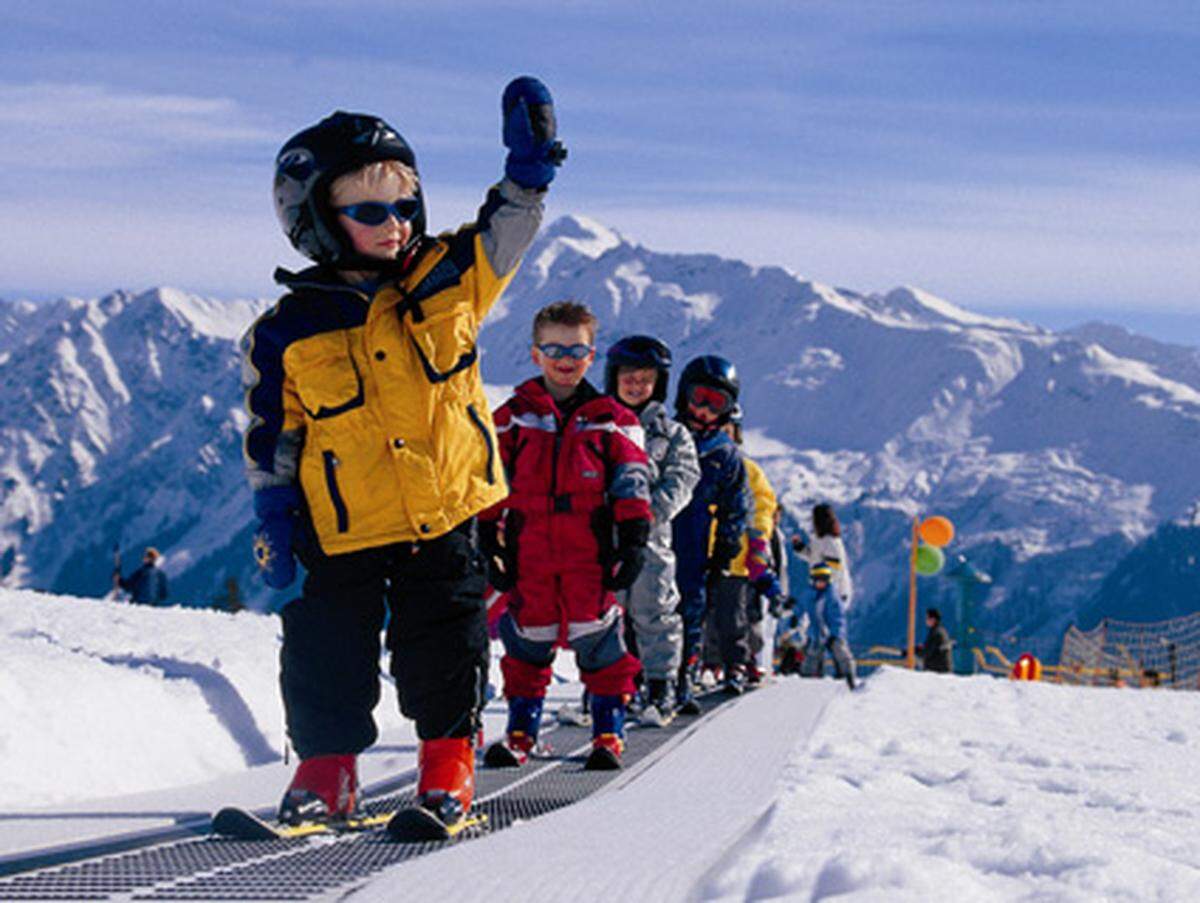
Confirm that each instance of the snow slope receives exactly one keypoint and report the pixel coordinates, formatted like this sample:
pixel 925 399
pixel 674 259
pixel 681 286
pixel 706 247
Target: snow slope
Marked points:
pixel 917 787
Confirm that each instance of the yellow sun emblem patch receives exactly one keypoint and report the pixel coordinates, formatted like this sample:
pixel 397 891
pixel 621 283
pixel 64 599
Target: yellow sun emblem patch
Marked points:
pixel 262 551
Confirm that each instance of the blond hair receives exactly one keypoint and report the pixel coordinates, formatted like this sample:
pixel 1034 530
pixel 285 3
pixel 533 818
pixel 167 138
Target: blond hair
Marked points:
pixel 372 175
pixel 565 313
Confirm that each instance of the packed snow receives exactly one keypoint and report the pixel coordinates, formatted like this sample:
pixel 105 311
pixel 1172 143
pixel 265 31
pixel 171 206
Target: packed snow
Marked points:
pixel 915 787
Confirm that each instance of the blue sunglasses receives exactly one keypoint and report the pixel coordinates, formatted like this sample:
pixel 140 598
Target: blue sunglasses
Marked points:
pixel 555 351
pixel 376 213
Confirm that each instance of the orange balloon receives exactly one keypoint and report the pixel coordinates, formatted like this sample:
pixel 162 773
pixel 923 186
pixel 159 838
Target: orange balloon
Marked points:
pixel 936 530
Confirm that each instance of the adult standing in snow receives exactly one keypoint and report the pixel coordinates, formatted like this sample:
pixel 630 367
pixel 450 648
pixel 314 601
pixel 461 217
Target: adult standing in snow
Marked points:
pixel 935 651
pixel 370 447
pixel 636 372
pixel 829 597
pixel 148 584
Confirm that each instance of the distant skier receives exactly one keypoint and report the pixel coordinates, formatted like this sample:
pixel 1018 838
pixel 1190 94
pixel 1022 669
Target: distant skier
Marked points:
pixel 370 447
pixel 704 401
pixel 755 570
pixel 148 584
pixel 829 596
pixel 935 652
pixel 636 372
pixel 579 475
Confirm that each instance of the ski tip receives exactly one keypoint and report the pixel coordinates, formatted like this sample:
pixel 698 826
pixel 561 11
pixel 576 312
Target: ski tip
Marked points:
pixel 498 755
pixel 243 825
pixel 602 759
pixel 417 825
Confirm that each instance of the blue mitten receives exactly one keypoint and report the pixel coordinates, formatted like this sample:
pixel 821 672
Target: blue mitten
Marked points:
pixel 529 133
pixel 276 508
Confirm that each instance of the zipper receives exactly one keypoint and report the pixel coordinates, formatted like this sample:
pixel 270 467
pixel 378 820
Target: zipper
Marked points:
pixel 335 494
pixel 487 440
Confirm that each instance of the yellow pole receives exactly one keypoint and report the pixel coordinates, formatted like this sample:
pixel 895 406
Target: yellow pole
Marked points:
pixel 912 596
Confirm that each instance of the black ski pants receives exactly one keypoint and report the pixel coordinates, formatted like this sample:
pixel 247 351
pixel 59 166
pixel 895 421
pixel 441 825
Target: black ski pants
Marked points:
pixel 729 597
pixel 436 634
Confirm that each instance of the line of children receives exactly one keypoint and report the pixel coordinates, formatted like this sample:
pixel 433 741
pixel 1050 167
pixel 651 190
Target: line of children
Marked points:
pixel 373 459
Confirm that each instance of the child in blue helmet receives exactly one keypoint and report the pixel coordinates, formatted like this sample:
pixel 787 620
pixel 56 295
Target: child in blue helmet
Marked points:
pixel 370 446
pixel 707 534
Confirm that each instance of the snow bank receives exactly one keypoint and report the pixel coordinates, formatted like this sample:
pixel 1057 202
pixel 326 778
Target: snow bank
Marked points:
pixel 924 785
pixel 100 698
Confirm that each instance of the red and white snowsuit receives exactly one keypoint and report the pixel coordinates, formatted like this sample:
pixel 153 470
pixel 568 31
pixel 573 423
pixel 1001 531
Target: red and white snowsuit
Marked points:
pixel 573 475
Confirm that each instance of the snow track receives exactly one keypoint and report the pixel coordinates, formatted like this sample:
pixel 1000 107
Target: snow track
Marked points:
pixel 666 778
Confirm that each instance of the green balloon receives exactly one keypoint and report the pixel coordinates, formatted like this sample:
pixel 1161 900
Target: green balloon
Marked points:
pixel 930 560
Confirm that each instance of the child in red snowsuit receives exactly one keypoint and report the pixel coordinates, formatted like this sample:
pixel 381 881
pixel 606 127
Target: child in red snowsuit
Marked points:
pixel 573 529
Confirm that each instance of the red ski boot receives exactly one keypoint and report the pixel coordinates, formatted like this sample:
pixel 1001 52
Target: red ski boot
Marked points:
pixel 446 779
pixel 324 788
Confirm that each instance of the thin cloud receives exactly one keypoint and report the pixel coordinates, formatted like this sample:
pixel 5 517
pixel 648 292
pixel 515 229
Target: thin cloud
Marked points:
pixel 42 125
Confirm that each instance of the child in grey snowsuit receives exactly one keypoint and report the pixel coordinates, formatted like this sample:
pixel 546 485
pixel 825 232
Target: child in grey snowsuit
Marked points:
pixel 636 373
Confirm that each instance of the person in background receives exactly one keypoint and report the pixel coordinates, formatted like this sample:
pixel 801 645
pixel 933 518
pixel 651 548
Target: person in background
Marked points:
pixel 148 584
pixel 636 372
pixel 935 651
pixel 704 401
pixel 829 597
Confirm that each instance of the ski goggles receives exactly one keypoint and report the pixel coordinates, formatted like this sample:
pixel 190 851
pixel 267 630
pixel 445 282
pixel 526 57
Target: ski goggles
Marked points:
pixel 556 351
pixel 715 400
pixel 376 213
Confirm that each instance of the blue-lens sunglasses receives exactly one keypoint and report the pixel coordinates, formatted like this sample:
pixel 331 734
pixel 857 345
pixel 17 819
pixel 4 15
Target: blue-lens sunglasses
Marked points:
pixel 555 351
pixel 375 213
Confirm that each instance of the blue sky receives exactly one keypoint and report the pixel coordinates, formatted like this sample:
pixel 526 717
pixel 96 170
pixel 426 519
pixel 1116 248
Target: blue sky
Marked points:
pixel 1036 158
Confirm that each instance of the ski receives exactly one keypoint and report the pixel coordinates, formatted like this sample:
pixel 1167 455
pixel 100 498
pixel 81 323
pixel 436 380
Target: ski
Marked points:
pixel 242 824
pixel 602 759
pixel 415 824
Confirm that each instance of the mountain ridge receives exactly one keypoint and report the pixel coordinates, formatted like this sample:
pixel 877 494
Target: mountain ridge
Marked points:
pixel 122 416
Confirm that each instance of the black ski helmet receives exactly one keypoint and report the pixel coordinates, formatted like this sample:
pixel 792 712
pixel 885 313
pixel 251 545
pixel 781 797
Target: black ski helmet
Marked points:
pixel 307 165
pixel 708 370
pixel 641 351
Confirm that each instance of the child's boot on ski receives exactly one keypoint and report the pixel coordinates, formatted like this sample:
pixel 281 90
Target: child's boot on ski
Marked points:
pixel 520 739
pixel 608 733
pixel 735 681
pixel 446 777
pixel 686 691
pixel 580 716
pixel 660 703
pixel 323 788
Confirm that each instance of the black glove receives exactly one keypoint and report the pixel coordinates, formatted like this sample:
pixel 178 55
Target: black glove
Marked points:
pixel 632 536
pixel 723 552
pixel 780 604
pixel 529 133
pixel 501 563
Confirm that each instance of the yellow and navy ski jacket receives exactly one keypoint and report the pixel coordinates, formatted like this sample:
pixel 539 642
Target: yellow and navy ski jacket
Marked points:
pixel 374 403
pixel 752 561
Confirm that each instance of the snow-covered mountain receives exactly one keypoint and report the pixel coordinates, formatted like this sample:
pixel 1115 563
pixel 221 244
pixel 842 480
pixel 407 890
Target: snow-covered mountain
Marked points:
pixel 1054 453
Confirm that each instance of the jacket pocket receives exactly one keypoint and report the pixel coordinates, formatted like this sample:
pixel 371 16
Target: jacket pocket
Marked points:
pixel 445 343
pixel 335 493
pixel 330 387
pixel 487 440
